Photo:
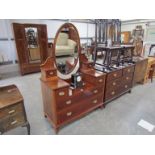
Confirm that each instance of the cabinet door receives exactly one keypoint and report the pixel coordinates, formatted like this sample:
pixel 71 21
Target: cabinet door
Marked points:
pixel 43 41
pixel 21 46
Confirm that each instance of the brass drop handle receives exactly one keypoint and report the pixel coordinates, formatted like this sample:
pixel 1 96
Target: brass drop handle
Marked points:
pixel 100 80
pixel 68 102
pixel 95 101
pixel 115 75
pixel 69 113
pixel 128 70
pixel 126 86
pixel 113 93
pixel 14 122
pixel 127 78
pixel 95 91
pixel 61 93
pixel 114 83
pixel 11 111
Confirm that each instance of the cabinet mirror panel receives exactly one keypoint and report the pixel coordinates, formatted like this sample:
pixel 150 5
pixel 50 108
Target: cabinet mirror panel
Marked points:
pixel 33 45
pixel 66 48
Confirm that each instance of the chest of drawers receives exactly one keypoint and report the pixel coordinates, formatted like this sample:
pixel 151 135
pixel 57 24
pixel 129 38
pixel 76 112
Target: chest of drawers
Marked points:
pixel 63 104
pixel 118 82
pixel 12 111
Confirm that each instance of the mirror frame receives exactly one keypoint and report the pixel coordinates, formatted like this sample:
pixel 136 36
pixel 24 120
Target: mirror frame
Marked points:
pixel 78 46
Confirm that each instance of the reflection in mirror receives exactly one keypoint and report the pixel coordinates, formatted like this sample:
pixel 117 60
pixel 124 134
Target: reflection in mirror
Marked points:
pixel 33 46
pixel 66 48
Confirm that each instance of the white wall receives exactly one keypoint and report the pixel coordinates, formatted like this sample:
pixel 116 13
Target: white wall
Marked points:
pixel 8 46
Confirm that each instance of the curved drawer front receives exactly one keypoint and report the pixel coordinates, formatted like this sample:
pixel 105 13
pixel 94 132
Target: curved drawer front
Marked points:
pixel 114 75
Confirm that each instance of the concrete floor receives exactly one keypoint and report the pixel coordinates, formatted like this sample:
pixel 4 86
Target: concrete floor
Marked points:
pixel 119 117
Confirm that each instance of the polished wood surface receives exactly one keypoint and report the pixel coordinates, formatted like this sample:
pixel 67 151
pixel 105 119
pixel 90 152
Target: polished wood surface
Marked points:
pixel 22 47
pixel 12 110
pixel 118 82
pixel 64 104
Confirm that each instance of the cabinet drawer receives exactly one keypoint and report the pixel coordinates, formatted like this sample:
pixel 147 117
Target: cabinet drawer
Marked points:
pixel 113 84
pixel 77 110
pixel 128 70
pixel 98 90
pixel 111 94
pixel 12 110
pixel 114 75
pixel 127 78
pixel 12 122
pixel 126 86
pixel 51 73
pixel 61 93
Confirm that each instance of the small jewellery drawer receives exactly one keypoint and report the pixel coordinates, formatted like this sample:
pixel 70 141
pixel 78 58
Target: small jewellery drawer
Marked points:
pixel 12 110
pixel 12 122
pixel 114 75
pixel 128 70
pixel 62 93
pixel 51 73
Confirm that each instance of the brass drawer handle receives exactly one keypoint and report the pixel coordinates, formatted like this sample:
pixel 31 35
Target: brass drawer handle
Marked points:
pixel 112 93
pixel 51 73
pixel 128 70
pixel 95 101
pixel 68 102
pixel 81 90
pixel 61 93
pixel 126 86
pixel 11 111
pixel 100 80
pixel 114 83
pixel 127 78
pixel 69 113
pixel 115 75
pixel 95 91
pixel 14 122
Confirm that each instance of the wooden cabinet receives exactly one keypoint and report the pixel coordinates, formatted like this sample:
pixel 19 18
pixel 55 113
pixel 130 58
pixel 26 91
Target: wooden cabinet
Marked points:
pixel 12 111
pixel 126 37
pixel 31 52
pixel 118 82
pixel 63 104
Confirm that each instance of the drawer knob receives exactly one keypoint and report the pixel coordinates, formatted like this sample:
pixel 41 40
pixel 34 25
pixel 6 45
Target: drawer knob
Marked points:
pixel 51 73
pixel 95 101
pixel 61 93
pixel 128 70
pixel 95 91
pixel 100 80
pixel 127 78
pixel 126 86
pixel 115 75
pixel 14 122
pixel 68 102
pixel 114 83
pixel 112 93
pixel 11 111
pixel 69 113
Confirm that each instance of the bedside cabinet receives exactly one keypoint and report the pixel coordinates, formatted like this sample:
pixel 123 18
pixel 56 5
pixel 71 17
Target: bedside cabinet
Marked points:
pixel 12 111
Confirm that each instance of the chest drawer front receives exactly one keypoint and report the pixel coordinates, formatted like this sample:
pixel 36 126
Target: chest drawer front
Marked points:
pixel 114 75
pixel 113 84
pixel 51 73
pixel 111 94
pixel 61 93
pixel 97 90
pixel 12 122
pixel 100 80
pixel 127 78
pixel 72 112
pixel 12 110
pixel 128 70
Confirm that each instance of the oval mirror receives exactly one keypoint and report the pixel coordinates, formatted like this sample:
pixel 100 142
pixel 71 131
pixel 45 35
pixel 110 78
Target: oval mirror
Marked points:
pixel 66 48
